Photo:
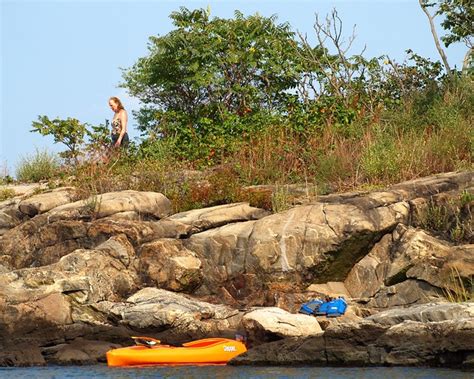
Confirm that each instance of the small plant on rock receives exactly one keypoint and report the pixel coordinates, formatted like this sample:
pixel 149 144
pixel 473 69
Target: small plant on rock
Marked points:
pixel 6 193
pixel 458 289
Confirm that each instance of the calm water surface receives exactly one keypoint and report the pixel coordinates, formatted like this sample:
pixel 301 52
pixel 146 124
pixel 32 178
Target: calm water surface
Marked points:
pixel 225 372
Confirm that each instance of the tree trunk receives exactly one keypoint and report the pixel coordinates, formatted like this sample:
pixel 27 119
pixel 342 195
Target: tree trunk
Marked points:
pixel 436 39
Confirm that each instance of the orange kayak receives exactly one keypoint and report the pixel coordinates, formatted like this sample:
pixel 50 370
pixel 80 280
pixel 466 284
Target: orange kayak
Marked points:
pixel 150 352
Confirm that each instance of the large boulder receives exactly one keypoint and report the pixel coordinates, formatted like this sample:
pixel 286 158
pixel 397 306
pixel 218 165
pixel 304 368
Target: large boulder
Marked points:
pixel 39 242
pixel 79 351
pixel 420 256
pixel 173 318
pixel 198 220
pixel 72 276
pixel 44 239
pixel 435 184
pixel 36 242
pixel 24 190
pixel 407 292
pixel 10 215
pixel 367 276
pixel 20 354
pixel 146 204
pixel 272 323
pixel 341 344
pixel 46 201
pixel 443 343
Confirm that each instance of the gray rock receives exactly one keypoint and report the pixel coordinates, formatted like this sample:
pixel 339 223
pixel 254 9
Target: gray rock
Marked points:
pixel 410 266
pixel 429 312
pixel 175 318
pixel 107 204
pixel 407 292
pixel 445 343
pixel 46 201
pixel 167 264
pixel 198 220
pixel 266 324
pixel 10 215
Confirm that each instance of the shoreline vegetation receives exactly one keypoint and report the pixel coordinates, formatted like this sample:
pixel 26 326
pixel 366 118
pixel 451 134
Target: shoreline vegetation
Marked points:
pixel 230 104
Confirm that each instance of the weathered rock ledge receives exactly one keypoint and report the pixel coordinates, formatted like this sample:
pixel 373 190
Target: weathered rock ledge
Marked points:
pixel 391 339
pixel 78 277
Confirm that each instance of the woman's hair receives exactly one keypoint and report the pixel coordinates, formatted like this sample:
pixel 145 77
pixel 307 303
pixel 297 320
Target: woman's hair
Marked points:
pixel 116 100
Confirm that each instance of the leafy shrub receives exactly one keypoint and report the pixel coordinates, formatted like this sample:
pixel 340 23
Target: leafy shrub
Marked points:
pixel 40 166
pixel 380 158
pixel 69 132
pixel 7 179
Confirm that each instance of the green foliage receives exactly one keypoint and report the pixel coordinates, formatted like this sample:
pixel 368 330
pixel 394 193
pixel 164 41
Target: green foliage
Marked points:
pixel 243 101
pixel 458 20
pixel 40 166
pixel 69 132
pixel 466 197
pixel 379 160
pixel 211 84
pixel 91 207
pixel 7 179
pixel 84 141
pixel 98 138
pixel 203 83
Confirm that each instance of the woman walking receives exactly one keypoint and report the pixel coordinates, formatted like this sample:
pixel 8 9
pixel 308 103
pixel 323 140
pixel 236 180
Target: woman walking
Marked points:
pixel 119 123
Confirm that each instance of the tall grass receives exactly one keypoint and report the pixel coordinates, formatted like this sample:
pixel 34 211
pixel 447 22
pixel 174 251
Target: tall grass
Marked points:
pixel 418 138
pixel 458 289
pixel 6 193
pixel 426 134
pixel 42 165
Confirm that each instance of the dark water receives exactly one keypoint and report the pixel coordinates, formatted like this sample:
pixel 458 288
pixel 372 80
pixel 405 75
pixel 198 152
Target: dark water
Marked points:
pixel 226 372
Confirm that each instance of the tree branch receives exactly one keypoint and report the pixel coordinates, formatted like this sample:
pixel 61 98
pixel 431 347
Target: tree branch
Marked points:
pixel 436 39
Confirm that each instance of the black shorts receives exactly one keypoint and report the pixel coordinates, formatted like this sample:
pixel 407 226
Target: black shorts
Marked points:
pixel 125 140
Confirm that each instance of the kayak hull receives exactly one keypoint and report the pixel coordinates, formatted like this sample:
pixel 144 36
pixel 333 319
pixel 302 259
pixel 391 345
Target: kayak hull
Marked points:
pixel 205 351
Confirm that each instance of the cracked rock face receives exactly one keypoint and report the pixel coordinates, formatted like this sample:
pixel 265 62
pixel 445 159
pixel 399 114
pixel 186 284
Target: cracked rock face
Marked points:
pixel 409 266
pixel 167 264
pixel 307 244
pixel 117 264
pixel 51 295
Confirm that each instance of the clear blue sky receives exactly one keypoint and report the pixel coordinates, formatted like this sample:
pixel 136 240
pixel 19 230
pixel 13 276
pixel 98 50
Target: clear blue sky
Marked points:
pixel 62 58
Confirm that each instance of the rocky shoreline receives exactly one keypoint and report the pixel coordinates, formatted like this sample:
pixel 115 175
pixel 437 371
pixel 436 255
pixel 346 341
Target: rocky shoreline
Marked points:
pixel 78 277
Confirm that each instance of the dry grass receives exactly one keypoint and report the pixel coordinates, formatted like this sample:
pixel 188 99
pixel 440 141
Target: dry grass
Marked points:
pixel 398 145
pixel 458 289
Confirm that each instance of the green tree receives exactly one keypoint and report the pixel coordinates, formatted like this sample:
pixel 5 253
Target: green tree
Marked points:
pixel 202 80
pixel 458 21
pixel 69 132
